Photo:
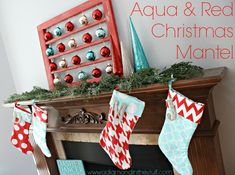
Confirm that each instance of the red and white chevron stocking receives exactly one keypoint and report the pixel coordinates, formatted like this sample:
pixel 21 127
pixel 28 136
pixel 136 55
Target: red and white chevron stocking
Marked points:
pixel 124 113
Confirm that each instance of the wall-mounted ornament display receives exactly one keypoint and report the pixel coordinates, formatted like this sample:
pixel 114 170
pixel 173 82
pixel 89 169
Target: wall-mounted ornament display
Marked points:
pixel 70 35
pixel 72 43
pixel 97 14
pixel 76 60
pixel 69 26
pixel 58 31
pixel 83 20
pixel 100 33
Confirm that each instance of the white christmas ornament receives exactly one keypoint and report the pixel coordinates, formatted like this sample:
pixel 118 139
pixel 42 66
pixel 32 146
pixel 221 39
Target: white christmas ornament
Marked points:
pixel 126 62
pixel 83 20
pixel 63 63
pixel 72 43
pixel 57 80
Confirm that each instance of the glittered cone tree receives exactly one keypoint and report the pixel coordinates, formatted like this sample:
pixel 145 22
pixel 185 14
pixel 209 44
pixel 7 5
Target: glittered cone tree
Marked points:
pixel 128 69
pixel 140 60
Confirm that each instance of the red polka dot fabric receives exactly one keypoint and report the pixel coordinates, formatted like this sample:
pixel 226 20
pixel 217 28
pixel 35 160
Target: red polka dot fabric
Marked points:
pixel 20 134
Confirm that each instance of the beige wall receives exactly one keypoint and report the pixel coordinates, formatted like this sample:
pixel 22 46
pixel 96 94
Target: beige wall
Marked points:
pixel 18 28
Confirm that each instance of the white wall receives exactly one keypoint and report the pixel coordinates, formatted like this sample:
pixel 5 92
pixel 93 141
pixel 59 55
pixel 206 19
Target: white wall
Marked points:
pixel 11 160
pixel 18 27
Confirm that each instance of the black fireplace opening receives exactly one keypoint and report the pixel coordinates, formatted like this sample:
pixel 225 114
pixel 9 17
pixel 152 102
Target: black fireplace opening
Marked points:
pixel 146 160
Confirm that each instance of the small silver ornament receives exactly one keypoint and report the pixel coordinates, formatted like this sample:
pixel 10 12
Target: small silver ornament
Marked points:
pixel 83 20
pixel 109 69
pixel 72 43
pixel 63 63
pixel 56 81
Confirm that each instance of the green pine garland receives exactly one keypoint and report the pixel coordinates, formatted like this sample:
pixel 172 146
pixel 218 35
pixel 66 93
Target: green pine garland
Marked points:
pixel 181 71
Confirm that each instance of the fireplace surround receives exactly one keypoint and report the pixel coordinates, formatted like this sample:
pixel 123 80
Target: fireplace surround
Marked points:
pixel 63 139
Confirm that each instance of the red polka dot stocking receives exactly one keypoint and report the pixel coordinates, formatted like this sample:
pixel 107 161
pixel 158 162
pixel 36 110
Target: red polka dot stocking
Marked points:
pixel 124 113
pixel 20 134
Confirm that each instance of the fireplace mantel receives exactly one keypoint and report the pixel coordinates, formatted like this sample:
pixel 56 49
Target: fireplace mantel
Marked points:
pixel 204 151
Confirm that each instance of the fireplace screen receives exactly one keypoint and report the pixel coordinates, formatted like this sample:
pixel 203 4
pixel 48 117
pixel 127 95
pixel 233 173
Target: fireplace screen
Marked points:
pixel 147 160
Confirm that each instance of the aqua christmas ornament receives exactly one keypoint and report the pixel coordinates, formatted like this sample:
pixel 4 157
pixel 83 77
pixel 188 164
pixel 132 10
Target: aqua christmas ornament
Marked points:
pixel 50 51
pixel 90 56
pixel 140 60
pixel 58 31
pixel 100 33
pixel 82 75
pixel 83 20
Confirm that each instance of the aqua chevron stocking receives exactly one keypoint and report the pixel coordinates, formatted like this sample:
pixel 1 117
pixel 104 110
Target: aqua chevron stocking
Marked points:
pixel 40 120
pixel 124 113
pixel 182 118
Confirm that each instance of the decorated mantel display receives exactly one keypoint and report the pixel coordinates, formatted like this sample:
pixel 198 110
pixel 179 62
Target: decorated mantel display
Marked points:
pixel 67 37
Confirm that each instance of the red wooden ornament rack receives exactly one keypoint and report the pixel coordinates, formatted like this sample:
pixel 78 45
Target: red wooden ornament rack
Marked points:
pixel 112 38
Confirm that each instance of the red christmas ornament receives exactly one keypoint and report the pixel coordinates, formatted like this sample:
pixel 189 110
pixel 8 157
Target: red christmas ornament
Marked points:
pixel 61 47
pixel 69 26
pixel 48 36
pixel 96 72
pixel 68 78
pixel 87 38
pixel 53 67
pixel 76 60
pixel 105 51
pixel 97 14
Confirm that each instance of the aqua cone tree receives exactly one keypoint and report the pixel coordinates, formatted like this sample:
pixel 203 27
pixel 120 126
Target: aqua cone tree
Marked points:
pixel 140 60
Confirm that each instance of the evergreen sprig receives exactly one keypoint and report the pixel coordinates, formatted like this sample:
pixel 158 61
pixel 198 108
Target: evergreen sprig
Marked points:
pixel 181 71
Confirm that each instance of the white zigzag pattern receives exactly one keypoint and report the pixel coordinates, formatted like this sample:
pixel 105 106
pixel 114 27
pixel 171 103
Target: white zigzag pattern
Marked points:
pixel 183 108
